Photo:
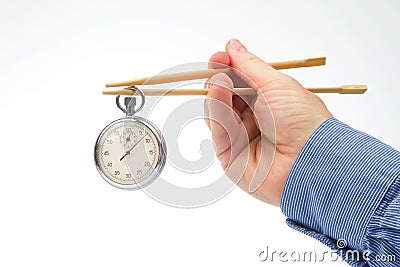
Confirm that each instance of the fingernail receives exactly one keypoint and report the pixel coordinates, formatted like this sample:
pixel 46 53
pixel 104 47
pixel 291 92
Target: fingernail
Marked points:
pixel 237 45
pixel 219 80
pixel 219 83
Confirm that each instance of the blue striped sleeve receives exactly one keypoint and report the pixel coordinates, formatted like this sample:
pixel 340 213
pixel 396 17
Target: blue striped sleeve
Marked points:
pixel 343 190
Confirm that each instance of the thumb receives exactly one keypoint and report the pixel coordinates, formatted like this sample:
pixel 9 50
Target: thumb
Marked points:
pixel 253 68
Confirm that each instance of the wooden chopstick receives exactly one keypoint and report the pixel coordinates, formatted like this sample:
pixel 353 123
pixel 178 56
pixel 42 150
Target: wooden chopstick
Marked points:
pixel 344 89
pixel 201 74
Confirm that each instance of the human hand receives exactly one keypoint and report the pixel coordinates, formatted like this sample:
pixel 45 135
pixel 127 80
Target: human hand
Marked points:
pixel 246 132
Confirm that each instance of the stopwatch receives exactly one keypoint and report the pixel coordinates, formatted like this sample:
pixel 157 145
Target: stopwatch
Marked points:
pixel 130 152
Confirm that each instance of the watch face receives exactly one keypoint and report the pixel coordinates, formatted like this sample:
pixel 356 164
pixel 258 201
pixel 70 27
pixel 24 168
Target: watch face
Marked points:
pixel 130 153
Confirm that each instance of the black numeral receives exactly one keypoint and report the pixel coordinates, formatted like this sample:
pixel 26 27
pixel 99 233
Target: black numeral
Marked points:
pixel 109 164
pixel 147 163
pixel 106 153
pixel 117 173
pixel 109 142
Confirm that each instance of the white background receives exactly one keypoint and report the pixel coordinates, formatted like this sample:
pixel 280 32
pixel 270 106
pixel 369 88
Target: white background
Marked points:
pixel 56 56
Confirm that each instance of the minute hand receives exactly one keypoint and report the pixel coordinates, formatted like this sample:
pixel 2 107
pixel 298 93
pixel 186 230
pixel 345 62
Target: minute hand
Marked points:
pixel 129 151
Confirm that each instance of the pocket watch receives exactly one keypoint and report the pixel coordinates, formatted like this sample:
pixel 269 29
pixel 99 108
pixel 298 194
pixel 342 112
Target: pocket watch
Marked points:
pixel 130 152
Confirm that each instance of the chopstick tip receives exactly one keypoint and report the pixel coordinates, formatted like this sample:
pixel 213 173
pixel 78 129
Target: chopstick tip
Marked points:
pixel 353 89
pixel 318 61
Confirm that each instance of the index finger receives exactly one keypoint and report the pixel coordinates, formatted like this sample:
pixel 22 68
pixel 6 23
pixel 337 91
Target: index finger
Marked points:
pixel 218 60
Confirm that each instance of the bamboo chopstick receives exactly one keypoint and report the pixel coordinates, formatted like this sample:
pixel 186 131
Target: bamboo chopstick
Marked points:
pixel 344 89
pixel 201 74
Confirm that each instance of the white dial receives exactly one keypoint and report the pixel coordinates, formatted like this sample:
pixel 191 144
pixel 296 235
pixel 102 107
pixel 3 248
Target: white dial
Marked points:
pixel 130 153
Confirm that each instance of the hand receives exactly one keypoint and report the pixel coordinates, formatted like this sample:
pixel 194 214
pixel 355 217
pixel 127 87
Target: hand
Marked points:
pixel 293 112
pixel 129 150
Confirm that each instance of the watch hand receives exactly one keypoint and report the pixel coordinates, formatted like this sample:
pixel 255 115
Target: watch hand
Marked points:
pixel 128 138
pixel 129 151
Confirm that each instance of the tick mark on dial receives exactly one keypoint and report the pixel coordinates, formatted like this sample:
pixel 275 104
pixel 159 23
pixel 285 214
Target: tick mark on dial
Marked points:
pixel 129 151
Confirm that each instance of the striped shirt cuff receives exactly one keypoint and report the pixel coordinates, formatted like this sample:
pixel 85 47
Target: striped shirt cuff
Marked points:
pixel 337 182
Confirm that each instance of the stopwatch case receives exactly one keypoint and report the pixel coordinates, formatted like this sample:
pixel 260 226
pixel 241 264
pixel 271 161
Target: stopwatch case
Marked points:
pixel 161 158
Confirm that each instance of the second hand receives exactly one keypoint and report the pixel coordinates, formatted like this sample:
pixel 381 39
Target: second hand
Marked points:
pixel 129 151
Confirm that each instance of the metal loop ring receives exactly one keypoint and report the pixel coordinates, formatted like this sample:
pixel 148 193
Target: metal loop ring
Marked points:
pixel 133 88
